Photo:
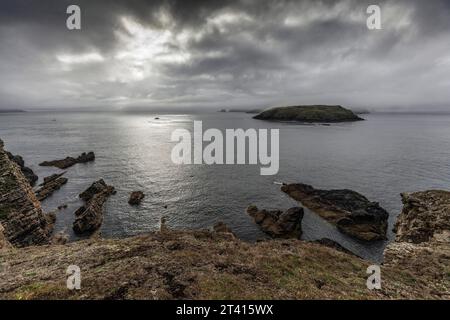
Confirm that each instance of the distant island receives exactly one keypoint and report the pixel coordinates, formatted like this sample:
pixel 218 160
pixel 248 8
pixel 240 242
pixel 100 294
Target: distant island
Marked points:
pixel 309 114
pixel 11 110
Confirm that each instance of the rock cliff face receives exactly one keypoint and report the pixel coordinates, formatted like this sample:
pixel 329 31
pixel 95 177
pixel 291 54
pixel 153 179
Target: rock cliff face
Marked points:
pixel 425 217
pixel 27 172
pixel 422 244
pixel 21 215
pixel 4 243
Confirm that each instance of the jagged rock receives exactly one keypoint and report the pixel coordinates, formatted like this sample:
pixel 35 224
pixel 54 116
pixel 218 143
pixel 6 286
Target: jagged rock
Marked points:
pixel 94 188
pixel 50 185
pixel 279 224
pixel 69 161
pixel 21 214
pixel 351 212
pixel 422 244
pixel 425 216
pixel 136 197
pixel 90 216
pixel 27 172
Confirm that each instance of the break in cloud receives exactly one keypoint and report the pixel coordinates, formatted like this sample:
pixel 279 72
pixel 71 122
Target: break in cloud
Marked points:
pixel 181 53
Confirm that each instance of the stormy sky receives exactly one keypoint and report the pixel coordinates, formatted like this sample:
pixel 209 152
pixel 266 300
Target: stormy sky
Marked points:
pixel 216 54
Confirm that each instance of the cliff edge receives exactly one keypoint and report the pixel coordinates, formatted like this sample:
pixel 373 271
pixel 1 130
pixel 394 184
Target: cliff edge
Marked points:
pixel 21 215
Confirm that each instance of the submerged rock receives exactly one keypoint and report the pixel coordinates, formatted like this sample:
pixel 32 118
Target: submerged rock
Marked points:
pixel 27 172
pixel 309 114
pixel 279 224
pixel 90 216
pixel 351 212
pixel 50 185
pixel 69 161
pixel 136 197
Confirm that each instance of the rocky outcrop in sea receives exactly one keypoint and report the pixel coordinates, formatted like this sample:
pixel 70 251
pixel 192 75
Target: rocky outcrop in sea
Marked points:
pixel 279 224
pixel 50 185
pixel 351 212
pixel 90 216
pixel 69 161
pixel 136 198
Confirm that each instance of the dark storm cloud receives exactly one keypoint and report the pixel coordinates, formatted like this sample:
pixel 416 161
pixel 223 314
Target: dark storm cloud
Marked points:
pixel 219 53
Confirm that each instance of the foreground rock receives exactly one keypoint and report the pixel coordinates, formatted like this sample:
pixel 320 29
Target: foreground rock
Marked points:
pixel 422 243
pixel 50 185
pixel 21 215
pixel 69 161
pixel 279 224
pixel 425 217
pixel 90 216
pixel 136 198
pixel 27 172
pixel 309 114
pixel 351 212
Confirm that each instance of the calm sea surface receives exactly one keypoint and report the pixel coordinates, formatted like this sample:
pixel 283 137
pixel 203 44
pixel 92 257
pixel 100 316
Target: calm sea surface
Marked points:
pixel 380 158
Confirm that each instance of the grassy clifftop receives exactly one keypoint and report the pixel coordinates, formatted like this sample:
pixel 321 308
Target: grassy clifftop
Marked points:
pixel 205 265
pixel 309 114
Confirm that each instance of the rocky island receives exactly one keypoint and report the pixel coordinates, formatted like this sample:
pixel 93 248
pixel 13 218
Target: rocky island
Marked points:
pixel 309 114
